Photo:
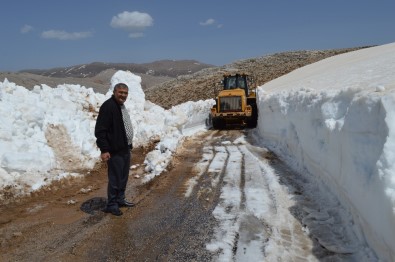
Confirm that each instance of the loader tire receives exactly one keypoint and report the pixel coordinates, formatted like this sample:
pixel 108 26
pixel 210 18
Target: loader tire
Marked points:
pixel 218 123
pixel 253 121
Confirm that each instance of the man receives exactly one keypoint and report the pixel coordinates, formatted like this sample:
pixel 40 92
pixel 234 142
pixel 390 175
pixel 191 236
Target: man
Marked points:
pixel 114 133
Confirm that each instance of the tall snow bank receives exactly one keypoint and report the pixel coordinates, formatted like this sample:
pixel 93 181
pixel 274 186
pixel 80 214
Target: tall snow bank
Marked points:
pixel 27 115
pixel 335 120
pixel 48 133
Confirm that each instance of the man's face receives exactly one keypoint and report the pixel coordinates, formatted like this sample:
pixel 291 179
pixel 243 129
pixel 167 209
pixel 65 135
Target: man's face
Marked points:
pixel 120 94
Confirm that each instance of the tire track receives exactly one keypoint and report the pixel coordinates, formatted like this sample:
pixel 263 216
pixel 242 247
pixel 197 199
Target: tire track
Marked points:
pixel 240 231
pixel 251 210
pixel 282 230
pixel 222 199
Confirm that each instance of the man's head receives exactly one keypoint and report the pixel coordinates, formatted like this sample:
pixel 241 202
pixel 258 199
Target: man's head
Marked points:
pixel 121 93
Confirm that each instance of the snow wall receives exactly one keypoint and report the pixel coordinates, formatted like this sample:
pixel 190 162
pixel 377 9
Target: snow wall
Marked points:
pixel 338 123
pixel 56 139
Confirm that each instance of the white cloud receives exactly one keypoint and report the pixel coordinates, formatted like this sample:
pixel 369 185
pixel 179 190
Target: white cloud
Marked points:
pixel 63 35
pixel 26 28
pixel 209 21
pixel 132 20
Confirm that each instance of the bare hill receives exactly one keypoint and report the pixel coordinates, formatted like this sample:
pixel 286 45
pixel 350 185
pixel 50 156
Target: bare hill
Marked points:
pixel 100 82
pixel 168 68
pixel 167 82
pixel 203 84
pixel 97 75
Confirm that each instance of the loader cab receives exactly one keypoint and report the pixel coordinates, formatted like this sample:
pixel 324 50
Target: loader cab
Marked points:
pixel 235 81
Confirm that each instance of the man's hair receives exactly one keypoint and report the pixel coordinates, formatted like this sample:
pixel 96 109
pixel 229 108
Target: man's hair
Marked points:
pixel 120 85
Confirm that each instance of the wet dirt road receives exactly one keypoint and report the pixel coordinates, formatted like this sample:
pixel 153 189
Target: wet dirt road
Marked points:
pixel 207 207
pixel 164 225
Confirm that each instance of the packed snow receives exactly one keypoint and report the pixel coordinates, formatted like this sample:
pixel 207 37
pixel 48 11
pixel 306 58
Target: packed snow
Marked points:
pixel 48 133
pixel 333 121
pixel 266 212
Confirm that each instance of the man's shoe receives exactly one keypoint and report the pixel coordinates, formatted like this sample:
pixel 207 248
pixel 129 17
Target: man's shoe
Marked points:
pixel 115 212
pixel 126 204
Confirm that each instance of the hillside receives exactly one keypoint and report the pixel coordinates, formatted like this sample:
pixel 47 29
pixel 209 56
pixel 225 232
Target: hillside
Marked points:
pixel 97 75
pixel 170 68
pixel 168 82
pixel 203 84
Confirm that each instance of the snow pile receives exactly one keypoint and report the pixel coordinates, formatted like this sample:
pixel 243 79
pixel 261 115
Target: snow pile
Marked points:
pixel 335 119
pixel 33 118
pixel 48 133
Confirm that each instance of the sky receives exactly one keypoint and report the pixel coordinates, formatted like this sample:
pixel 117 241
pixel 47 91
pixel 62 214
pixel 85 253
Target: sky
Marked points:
pixel 45 34
pixel 332 122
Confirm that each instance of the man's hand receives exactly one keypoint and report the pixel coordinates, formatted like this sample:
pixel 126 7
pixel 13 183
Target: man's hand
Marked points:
pixel 105 156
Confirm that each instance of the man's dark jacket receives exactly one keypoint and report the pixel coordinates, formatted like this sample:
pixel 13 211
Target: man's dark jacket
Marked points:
pixel 110 130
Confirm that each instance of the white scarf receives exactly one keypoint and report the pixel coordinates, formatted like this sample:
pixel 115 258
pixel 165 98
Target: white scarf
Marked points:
pixel 128 124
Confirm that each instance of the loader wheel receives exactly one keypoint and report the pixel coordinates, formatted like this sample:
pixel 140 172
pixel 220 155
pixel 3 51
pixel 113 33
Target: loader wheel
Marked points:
pixel 209 121
pixel 253 121
pixel 218 123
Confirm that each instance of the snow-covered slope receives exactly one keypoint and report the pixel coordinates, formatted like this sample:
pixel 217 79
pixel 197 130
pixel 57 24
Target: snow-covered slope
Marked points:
pixel 48 133
pixel 335 120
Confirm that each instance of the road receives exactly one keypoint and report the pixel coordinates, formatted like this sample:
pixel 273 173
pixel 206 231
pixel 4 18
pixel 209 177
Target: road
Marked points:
pixel 222 199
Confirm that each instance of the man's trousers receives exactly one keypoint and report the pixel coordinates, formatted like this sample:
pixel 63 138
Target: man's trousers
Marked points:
pixel 118 174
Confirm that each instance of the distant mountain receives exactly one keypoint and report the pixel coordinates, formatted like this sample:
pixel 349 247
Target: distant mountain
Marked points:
pixel 205 83
pixel 167 82
pixel 162 68
pixel 98 75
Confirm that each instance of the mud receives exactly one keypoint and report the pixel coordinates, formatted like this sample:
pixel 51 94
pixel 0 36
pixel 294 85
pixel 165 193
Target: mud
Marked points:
pixel 171 221
pixel 64 222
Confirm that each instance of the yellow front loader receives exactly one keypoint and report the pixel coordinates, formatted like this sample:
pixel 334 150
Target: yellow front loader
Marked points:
pixel 235 104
